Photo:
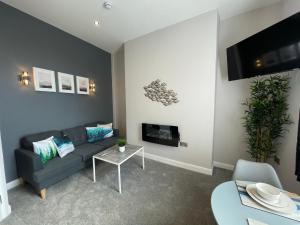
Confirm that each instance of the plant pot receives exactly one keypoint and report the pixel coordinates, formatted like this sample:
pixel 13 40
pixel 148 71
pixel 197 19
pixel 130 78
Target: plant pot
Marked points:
pixel 122 148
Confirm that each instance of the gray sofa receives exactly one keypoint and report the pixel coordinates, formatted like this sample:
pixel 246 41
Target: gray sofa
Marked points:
pixel 31 169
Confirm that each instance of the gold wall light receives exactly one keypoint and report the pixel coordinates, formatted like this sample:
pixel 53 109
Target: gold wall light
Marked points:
pixel 258 63
pixel 24 78
pixel 92 87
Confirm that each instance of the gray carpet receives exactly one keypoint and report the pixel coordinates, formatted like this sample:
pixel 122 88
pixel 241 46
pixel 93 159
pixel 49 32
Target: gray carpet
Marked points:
pixel 159 195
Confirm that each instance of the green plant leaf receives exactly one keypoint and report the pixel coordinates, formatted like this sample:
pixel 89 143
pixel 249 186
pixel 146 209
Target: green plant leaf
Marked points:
pixel 266 116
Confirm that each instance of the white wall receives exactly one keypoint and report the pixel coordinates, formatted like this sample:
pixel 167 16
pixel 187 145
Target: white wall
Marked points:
pixel 229 134
pixel 4 205
pixel 118 87
pixel 290 7
pixel 184 56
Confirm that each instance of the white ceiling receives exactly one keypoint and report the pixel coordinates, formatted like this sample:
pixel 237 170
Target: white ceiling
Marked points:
pixel 127 19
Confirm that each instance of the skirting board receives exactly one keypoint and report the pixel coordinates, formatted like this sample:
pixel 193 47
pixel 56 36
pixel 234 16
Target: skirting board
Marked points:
pixel 6 211
pixel 223 165
pixel 175 163
pixel 14 183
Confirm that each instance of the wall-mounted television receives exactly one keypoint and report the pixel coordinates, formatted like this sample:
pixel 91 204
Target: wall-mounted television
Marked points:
pixel 273 50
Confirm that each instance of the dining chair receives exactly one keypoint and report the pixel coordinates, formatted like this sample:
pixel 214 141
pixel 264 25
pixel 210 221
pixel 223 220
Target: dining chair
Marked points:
pixel 256 172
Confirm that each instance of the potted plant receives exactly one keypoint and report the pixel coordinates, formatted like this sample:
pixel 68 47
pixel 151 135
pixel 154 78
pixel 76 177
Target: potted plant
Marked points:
pixel 121 144
pixel 266 116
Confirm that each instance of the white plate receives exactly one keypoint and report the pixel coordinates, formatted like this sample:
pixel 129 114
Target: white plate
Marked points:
pixel 281 203
pixel 290 205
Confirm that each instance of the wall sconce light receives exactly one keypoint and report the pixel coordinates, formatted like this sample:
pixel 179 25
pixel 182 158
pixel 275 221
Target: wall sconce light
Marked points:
pixel 92 86
pixel 258 63
pixel 24 78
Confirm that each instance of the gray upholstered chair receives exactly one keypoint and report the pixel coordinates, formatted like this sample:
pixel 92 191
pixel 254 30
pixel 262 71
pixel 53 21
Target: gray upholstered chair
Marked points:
pixel 256 172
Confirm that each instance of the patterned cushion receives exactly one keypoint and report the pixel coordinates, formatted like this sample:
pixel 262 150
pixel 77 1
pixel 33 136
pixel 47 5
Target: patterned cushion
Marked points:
pixel 97 133
pixel 108 129
pixel 46 149
pixel 64 146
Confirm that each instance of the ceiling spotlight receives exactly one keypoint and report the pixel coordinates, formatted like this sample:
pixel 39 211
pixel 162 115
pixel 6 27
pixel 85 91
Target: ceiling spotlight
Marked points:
pixel 107 4
pixel 96 23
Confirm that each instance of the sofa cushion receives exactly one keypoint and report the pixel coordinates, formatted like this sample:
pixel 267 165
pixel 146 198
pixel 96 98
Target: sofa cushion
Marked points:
pixel 56 167
pixel 107 127
pixel 46 149
pixel 94 134
pixel 64 146
pixel 86 151
pixel 108 142
pixel 94 124
pixel 76 134
pixel 26 142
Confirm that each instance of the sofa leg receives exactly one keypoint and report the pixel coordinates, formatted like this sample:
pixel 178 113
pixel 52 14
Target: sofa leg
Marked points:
pixel 43 193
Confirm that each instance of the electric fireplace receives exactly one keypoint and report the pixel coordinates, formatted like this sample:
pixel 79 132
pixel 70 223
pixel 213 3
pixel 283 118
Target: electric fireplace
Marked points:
pixel 161 134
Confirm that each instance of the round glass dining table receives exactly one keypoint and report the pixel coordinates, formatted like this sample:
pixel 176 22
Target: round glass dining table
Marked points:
pixel 228 209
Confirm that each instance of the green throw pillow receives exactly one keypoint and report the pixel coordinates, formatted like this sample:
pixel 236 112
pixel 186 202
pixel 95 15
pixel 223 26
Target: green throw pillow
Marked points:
pixel 46 149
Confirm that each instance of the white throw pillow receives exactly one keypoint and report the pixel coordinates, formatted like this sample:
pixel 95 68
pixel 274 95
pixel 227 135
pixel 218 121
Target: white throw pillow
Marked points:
pixel 109 125
pixel 46 149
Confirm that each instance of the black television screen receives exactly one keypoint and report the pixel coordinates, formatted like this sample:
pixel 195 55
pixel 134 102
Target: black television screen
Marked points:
pixel 275 49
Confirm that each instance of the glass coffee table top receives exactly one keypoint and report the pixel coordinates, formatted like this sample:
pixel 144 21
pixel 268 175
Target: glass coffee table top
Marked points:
pixel 114 156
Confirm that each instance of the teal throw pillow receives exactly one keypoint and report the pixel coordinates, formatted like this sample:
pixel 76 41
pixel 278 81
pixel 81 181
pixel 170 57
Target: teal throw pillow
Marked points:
pixel 97 133
pixel 64 145
pixel 108 130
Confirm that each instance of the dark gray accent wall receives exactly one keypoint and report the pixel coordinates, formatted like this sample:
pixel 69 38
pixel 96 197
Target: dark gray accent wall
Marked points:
pixel 27 42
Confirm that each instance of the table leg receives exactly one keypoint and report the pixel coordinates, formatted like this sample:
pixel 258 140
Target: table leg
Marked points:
pixel 143 158
pixel 119 178
pixel 94 170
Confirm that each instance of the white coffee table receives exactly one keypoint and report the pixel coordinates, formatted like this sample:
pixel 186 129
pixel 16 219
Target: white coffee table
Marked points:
pixel 113 156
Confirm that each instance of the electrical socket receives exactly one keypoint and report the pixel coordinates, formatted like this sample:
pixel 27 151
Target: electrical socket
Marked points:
pixel 277 160
pixel 183 144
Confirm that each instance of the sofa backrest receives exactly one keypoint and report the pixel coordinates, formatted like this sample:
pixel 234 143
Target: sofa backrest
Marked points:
pixel 26 142
pixel 76 134
pixel 94 124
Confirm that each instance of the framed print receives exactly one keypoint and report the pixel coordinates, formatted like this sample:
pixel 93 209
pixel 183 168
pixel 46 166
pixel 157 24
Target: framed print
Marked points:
pixel 82 84
pixel 44 80
pixel 66 83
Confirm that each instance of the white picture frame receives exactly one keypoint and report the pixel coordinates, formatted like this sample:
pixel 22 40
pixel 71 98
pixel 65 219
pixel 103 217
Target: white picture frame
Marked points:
pixel 82 85
pixel 44 80
pixel 66 83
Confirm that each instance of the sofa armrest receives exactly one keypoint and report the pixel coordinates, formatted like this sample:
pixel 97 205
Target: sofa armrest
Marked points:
pixel 27 163
pixel 116 133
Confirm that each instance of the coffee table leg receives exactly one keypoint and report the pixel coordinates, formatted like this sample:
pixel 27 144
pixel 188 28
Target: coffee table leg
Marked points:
pixel 119 177
pixel 143 159
pixel 94 170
